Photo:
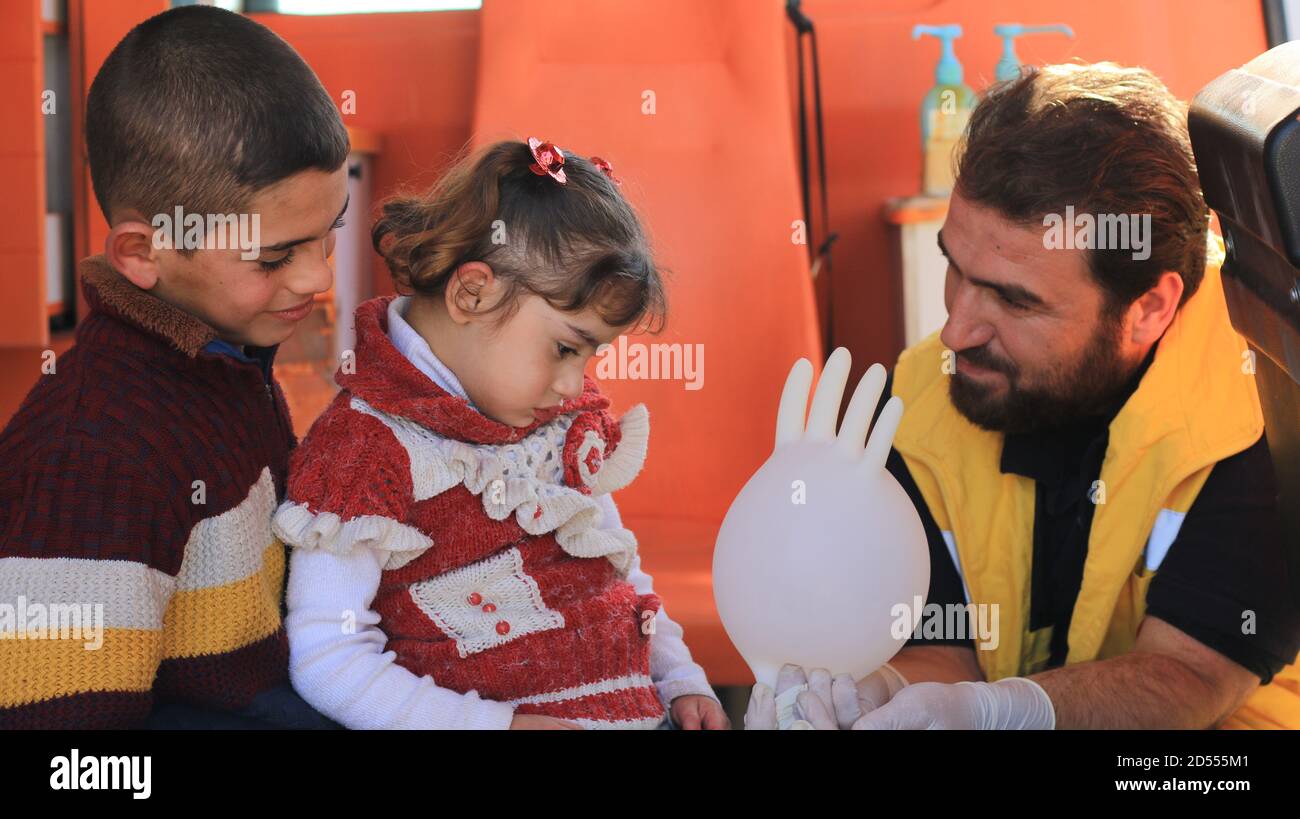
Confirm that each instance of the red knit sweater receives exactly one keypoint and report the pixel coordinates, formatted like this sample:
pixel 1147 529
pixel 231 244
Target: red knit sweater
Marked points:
pixel 141 476
pixel 497 577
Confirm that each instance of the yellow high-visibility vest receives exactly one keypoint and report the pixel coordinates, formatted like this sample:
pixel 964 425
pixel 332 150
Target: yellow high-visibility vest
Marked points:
pixel 1196 405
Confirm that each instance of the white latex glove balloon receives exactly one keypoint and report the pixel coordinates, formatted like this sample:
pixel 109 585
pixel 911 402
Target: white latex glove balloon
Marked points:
pixel 822 543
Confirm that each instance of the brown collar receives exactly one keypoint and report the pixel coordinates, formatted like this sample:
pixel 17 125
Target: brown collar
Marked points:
pixel 107 290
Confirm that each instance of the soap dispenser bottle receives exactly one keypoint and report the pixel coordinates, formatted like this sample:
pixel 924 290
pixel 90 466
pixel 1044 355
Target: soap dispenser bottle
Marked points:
pixel 1008 67
pixel 944 113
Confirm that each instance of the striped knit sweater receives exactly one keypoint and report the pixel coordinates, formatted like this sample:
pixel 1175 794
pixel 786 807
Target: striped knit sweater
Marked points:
pixel 497 577
pixel 137 485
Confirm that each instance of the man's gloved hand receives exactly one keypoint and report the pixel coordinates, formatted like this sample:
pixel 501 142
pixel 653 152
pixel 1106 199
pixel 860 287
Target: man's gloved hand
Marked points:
pixel 761 715
pixel 1014 703
pixel 813 700
pixel 873 691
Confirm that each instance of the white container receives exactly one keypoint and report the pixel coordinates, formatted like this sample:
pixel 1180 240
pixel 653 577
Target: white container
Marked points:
pixel 56 236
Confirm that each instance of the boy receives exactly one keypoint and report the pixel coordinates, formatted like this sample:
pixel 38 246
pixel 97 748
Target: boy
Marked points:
pixel 137 481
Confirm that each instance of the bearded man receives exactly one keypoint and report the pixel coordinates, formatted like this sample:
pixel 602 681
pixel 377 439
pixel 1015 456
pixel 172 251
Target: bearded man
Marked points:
pixel 1083 441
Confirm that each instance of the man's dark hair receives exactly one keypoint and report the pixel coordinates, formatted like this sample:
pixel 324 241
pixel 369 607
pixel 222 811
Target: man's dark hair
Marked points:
pixel 201 107
pixel 1106 139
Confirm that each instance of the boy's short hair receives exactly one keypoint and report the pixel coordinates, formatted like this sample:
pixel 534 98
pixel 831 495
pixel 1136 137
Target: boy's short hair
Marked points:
pixel 201 107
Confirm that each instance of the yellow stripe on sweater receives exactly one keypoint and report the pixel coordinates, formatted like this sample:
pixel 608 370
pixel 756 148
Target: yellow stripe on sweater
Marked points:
pixel 220 619
pixel 33 670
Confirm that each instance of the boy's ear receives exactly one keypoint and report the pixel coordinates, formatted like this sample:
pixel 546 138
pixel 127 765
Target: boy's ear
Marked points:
pixel 129 249
pixel 470 289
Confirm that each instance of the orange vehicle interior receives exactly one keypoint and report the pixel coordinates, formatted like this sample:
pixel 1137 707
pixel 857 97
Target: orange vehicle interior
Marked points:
pixel 723 127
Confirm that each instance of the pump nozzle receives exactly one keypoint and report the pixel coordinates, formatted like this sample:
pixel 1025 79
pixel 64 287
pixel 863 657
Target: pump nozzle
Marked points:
pixel 949 71
pixel 1009 66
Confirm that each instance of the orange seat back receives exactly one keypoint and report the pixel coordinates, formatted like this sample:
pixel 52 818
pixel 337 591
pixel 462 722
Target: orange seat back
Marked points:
pixel 690 103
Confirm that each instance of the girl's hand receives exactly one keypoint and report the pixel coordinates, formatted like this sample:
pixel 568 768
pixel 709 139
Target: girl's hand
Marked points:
pixel 539 722
pixel 694 712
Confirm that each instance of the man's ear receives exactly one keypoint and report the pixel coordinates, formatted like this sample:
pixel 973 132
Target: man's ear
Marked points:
pixel 129 249
pixel 1154 310
pixel 470 289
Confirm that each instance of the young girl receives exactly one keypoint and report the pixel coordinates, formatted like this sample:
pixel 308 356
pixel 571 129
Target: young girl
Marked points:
pixel 458 561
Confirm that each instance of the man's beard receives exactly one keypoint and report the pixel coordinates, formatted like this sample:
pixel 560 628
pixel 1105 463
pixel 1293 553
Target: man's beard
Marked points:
pixel 1088 389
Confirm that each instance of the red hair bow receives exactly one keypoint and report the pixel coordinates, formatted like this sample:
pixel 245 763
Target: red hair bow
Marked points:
pixel 548 160
pixel 606 169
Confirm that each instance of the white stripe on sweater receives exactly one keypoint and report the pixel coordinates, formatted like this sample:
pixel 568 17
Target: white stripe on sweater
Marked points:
pixel 588 689
pixel 221 550
pixel 229 547
pixel 648 724
pixel 134 596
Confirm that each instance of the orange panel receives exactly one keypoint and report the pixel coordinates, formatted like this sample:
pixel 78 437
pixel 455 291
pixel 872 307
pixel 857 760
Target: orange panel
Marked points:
pixel 21 367
pixel 23 319
pixel 711 170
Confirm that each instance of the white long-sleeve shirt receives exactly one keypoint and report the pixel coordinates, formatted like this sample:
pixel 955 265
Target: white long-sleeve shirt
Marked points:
pixel 337 656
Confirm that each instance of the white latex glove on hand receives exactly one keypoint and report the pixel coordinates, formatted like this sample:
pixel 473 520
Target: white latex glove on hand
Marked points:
pixel 761 714
pixel 826 704
pixel 1014 703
